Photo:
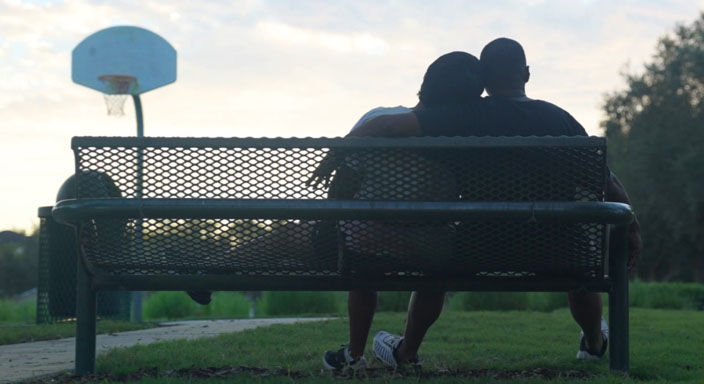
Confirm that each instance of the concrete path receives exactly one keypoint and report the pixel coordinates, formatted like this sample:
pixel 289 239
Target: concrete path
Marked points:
pixel 23 361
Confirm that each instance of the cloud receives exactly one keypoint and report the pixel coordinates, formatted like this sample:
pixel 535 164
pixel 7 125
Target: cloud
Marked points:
pixel 336 42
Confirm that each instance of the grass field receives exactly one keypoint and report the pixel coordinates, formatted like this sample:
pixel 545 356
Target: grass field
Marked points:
pixel 12 334
pixel 666 346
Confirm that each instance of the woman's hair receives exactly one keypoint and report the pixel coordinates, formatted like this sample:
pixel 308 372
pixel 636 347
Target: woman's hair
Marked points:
pixel 454 78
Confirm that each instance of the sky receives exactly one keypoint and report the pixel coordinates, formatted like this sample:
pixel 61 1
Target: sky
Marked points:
pixel 256 68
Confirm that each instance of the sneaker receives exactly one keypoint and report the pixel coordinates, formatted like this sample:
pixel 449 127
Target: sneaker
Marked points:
pixel 385 347
pixel 584 354
pixel 341 359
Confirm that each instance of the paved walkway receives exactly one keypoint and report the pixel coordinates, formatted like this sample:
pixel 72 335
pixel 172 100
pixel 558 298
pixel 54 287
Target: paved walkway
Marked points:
pixel 24 361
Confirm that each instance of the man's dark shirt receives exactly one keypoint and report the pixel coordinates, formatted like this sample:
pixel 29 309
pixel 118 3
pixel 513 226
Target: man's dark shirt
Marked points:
pixel 499 116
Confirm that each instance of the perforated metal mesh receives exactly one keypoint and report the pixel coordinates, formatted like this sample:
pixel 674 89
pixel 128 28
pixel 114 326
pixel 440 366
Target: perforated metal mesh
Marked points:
pixel 56 291
pixel 437 169
pixel 43 273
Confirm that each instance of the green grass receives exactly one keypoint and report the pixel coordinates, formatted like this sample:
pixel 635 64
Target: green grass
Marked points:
pixel 17 320
pixel 168 305
pixel 17 312
pixel 289 303
pixel 177 305
pixel 673 295
pixel 665 347
pixel 12 334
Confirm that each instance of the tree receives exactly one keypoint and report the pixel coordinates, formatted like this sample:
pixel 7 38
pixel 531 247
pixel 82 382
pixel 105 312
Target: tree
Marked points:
pixel 655 129
pixel 18 264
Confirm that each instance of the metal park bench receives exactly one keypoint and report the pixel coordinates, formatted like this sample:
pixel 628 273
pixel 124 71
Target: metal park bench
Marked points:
pixel 452 214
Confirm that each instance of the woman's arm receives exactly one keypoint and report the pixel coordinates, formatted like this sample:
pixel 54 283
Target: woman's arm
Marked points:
pixel 395 125
pixel 616 192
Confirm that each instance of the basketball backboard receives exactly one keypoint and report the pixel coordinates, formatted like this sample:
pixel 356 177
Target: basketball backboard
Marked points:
pixel 123 60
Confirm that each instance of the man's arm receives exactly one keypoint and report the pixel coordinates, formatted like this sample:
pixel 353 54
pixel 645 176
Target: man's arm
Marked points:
pixel 396 125
pixel 616 192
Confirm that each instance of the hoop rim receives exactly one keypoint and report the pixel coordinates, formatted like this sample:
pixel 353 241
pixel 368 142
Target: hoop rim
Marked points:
pixel 118 84
pixel 125 78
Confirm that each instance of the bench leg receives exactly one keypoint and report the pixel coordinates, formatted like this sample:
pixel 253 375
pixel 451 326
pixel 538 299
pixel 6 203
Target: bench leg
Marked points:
pixel 618 307
pixel 85 323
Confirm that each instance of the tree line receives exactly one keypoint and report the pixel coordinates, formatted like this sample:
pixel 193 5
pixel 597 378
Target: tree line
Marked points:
pixel 19 255
pixel 655 128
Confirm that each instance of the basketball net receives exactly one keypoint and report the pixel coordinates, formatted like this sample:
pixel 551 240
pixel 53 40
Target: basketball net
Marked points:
pixel 119 88
pixel 115 104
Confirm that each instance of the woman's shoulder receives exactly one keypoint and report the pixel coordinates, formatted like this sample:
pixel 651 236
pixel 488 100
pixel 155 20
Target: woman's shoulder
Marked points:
pixel 381 111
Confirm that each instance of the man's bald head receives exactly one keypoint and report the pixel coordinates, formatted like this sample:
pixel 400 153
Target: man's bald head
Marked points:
pixel 504 66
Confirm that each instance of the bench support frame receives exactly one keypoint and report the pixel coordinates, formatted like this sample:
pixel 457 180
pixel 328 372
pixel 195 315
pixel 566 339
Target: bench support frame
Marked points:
pixel 618 310
pixel 86 306
pixel 618 304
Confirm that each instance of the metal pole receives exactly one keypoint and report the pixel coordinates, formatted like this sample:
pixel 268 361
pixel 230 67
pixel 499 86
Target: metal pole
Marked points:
pixel 85 322
pixel 137 296
pixel 618 303
pixel 138 112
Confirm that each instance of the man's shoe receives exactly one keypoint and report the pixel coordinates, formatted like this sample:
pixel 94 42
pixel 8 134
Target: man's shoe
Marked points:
pixel 385 347
pixel 341 360
pixel 584 354
pixel 200 297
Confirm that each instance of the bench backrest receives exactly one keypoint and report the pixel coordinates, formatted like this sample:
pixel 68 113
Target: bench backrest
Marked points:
pixel 416 169
pixel 490 169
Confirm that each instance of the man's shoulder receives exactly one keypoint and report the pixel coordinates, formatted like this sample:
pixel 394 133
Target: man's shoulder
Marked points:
pixel 536 105
pixel 553 113
pixel 522 102
pixel 548 106
pixel 575 126
pixel 537 116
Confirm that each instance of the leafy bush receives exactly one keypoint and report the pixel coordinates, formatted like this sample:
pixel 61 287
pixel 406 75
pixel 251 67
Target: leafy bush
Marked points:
pixel 393 301
pixel 226 305
pixel 666 295
pixel 641 295
pixel 546 301
pixel 18 264
pixel 489 301
pixel 24 311
pixel 177 305
pixel 285 303
pixel 168 305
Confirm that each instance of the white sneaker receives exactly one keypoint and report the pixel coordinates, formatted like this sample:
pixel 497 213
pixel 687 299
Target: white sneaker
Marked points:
pixel 385 344
pixel 583 354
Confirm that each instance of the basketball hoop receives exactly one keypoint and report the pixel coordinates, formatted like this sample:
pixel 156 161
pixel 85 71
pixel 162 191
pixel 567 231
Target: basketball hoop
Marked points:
pixel 123 61
pixel 119 62
pixel 117 90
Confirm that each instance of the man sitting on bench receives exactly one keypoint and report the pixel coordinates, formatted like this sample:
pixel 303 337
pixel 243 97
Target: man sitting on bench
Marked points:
pixel 506 112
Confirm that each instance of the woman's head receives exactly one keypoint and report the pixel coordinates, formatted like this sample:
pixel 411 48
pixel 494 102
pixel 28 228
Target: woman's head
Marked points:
pixel 454 78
